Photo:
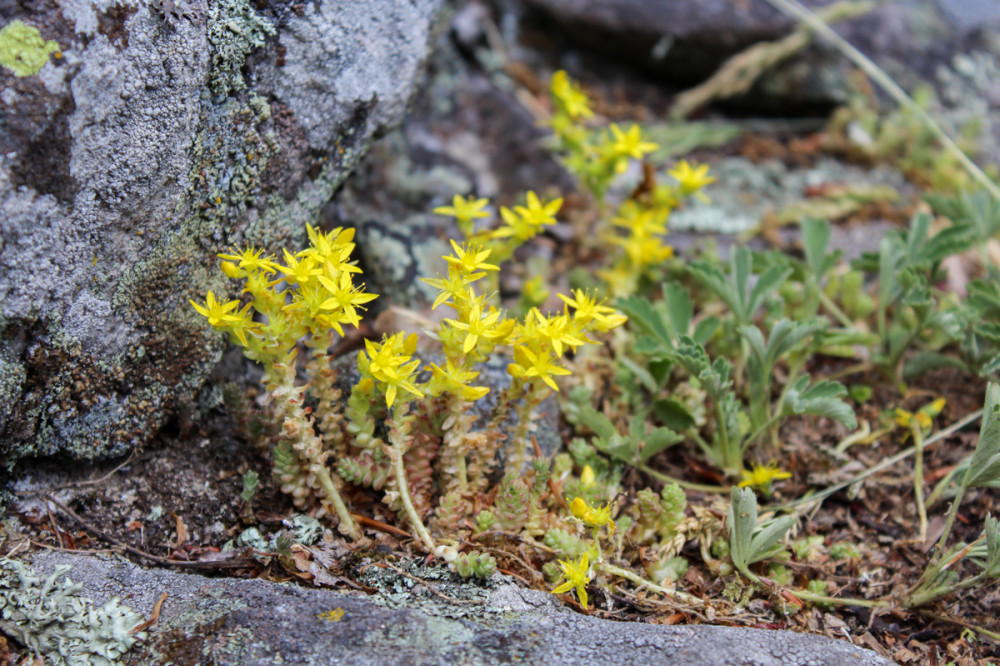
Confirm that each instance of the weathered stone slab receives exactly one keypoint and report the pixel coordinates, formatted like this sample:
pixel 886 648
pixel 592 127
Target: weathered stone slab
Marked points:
pixel 248 622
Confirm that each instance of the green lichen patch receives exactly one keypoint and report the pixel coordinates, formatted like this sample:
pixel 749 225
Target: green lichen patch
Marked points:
pixel 53 620
pixel 234 31
pixel 23 50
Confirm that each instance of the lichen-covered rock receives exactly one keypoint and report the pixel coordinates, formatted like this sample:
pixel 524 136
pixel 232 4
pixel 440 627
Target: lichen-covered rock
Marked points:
pixel 689 39
pixel 138 138
pixel 55 621
pixel 248 622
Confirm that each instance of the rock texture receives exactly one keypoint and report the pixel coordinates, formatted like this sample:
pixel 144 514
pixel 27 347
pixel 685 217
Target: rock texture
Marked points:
pixel 246 622
pixel 160 133
pixel 686 40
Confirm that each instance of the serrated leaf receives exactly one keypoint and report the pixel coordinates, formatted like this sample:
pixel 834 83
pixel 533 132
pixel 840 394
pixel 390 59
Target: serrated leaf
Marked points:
pixel 824 398
pixel 642 314
pixel 766 284
pixel 618 447
pixel 673 414
pixel 947 242
pixel 705 329
pixel 680 308
pixel 984 469
pixel 599 423
pixel 658 440
pixel 713 278
pixel 924 361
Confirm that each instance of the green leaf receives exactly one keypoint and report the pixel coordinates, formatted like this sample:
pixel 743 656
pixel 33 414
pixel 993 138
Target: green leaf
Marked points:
pixel 824 398
pixel 658 440
pixel 815 239
pixel 642 314
pixel 673 414
pixel 705 329
pixel 924 361
pixel 742 521
pixel 748 542
pixel 712 277
pixel 599 423
pixel 766 284
pixel 680 308
pixel 619 448
pixel 984 469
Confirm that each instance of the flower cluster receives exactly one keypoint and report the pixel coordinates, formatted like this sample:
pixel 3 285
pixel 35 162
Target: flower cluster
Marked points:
pixel 312 292
pixel 597 156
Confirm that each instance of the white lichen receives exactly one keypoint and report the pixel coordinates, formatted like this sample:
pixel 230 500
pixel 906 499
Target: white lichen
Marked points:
pixel 51 618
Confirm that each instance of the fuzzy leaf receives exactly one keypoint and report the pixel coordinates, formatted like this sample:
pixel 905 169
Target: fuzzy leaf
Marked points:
pixel 680 308
pixel 748 542
pixel 599 423
pixel 673 414
pixel 924 361
pixel 766 284
pixel 641 313
pixel 712 277
pixel 815 239
pixel 658 440
pixel 984 469
pixel 824 398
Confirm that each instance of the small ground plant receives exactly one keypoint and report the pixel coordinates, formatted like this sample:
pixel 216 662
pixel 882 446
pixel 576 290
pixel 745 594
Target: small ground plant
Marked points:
pixel 707 361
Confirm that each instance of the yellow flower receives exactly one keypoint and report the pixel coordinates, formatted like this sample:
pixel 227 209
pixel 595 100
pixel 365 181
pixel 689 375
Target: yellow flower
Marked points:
pixel 577 576
pixel 298 272
pixel 219 314
pixel 556 330
pixel 762 475
pixel 470 259
pixel 924 417
pixel 536 213
pixel 465 210
pixel 490 327
pixel 690 179
pixel 249 260
pixel 450 379
pixel 594 517
pixel 589 310
pixel 541 365
pixel 390 364
pixel 629 144
pixel 568 96
pixel 587 476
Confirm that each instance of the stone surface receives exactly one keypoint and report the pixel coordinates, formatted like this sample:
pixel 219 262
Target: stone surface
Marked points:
pixel 687 40
pixel 230 621
pixel 160 134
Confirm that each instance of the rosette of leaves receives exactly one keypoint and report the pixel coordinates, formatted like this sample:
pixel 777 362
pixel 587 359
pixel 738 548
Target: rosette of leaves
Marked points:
pixel 748 541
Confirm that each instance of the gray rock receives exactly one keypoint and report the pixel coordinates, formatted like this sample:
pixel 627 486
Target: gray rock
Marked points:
pixel 687 40
pixel 230 621
pixel 163 133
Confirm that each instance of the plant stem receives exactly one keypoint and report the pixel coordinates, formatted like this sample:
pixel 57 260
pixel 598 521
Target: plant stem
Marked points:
pixel 918 477
pixel 950 521
pixel 888 462
pixel 666 478
pixel 397 437
pixel 837 601
pixel 642 582
pixel 329 487
pixel 831 307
